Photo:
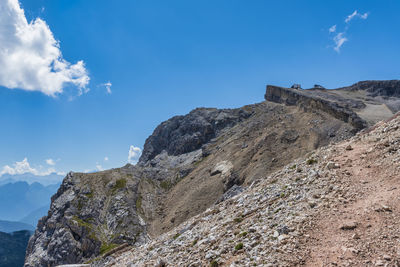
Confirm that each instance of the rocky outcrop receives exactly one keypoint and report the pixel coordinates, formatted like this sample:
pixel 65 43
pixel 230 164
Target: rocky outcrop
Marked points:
pixel 390 88
pixel 89 215
pixel 310 102
pixel 183 134
pixel 93 214
pixel 361 104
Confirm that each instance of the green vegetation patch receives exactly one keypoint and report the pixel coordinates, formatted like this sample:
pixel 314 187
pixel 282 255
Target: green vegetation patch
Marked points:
pixel 239 246
pixel 106 247
pixel 119 184
pixel 243 234
pixel 311 161
pixel 214 263
pixel 89 227
pixel 176 236
pixel 82 223
pixel 166 185
pixel 139 203
pixel 80 204
pixel 238 219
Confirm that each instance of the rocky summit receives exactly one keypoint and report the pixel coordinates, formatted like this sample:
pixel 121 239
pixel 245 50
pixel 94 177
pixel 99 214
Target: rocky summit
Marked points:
pixel 284 182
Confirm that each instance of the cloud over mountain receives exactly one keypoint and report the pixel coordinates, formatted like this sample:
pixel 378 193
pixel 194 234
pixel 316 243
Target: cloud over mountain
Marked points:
pixel 22 167
pixel 134 154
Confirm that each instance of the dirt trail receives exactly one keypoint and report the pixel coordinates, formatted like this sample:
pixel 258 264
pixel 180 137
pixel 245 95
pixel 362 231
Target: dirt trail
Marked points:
pixel 364 228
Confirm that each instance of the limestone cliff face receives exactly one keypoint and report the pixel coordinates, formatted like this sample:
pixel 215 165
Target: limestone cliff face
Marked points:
pixel 190 163
pixel 310 102
pixel 361 104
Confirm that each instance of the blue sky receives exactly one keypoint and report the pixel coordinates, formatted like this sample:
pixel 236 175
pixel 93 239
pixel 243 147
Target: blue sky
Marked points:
pixel 165 58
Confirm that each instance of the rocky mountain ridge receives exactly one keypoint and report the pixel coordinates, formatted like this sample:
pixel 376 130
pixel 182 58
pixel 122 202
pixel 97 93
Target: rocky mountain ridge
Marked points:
pixel 338 206
pixel 190 163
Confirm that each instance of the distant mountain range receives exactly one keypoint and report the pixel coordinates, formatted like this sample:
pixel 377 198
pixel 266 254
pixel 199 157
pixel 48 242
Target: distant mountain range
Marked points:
pixel 24 199
pixel 33 217
pixel 52 178
pixel 9 227
pixel 24 202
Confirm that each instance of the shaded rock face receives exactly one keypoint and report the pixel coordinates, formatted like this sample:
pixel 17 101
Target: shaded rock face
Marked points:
pixel 183 134
pixel 389 88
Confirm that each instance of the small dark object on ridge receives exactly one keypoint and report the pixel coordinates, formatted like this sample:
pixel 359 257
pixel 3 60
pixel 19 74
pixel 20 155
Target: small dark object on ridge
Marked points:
pixel 296 86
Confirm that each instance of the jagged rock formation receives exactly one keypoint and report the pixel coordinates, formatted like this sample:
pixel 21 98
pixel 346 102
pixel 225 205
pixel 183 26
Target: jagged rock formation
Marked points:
pixel 183 134
pixel 338 206
pixel 190 163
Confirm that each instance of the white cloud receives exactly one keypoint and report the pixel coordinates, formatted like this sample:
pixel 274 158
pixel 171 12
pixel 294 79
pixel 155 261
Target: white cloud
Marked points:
pixel 340 37
pixel 355 14
pixel 134 154
pixel 21 167
pixel 364 16
pixel 339 40
pixel 350 17
pixel 50 162
pixel 99 167
pixel 30 56
pixel 107 85
pixel 105 158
